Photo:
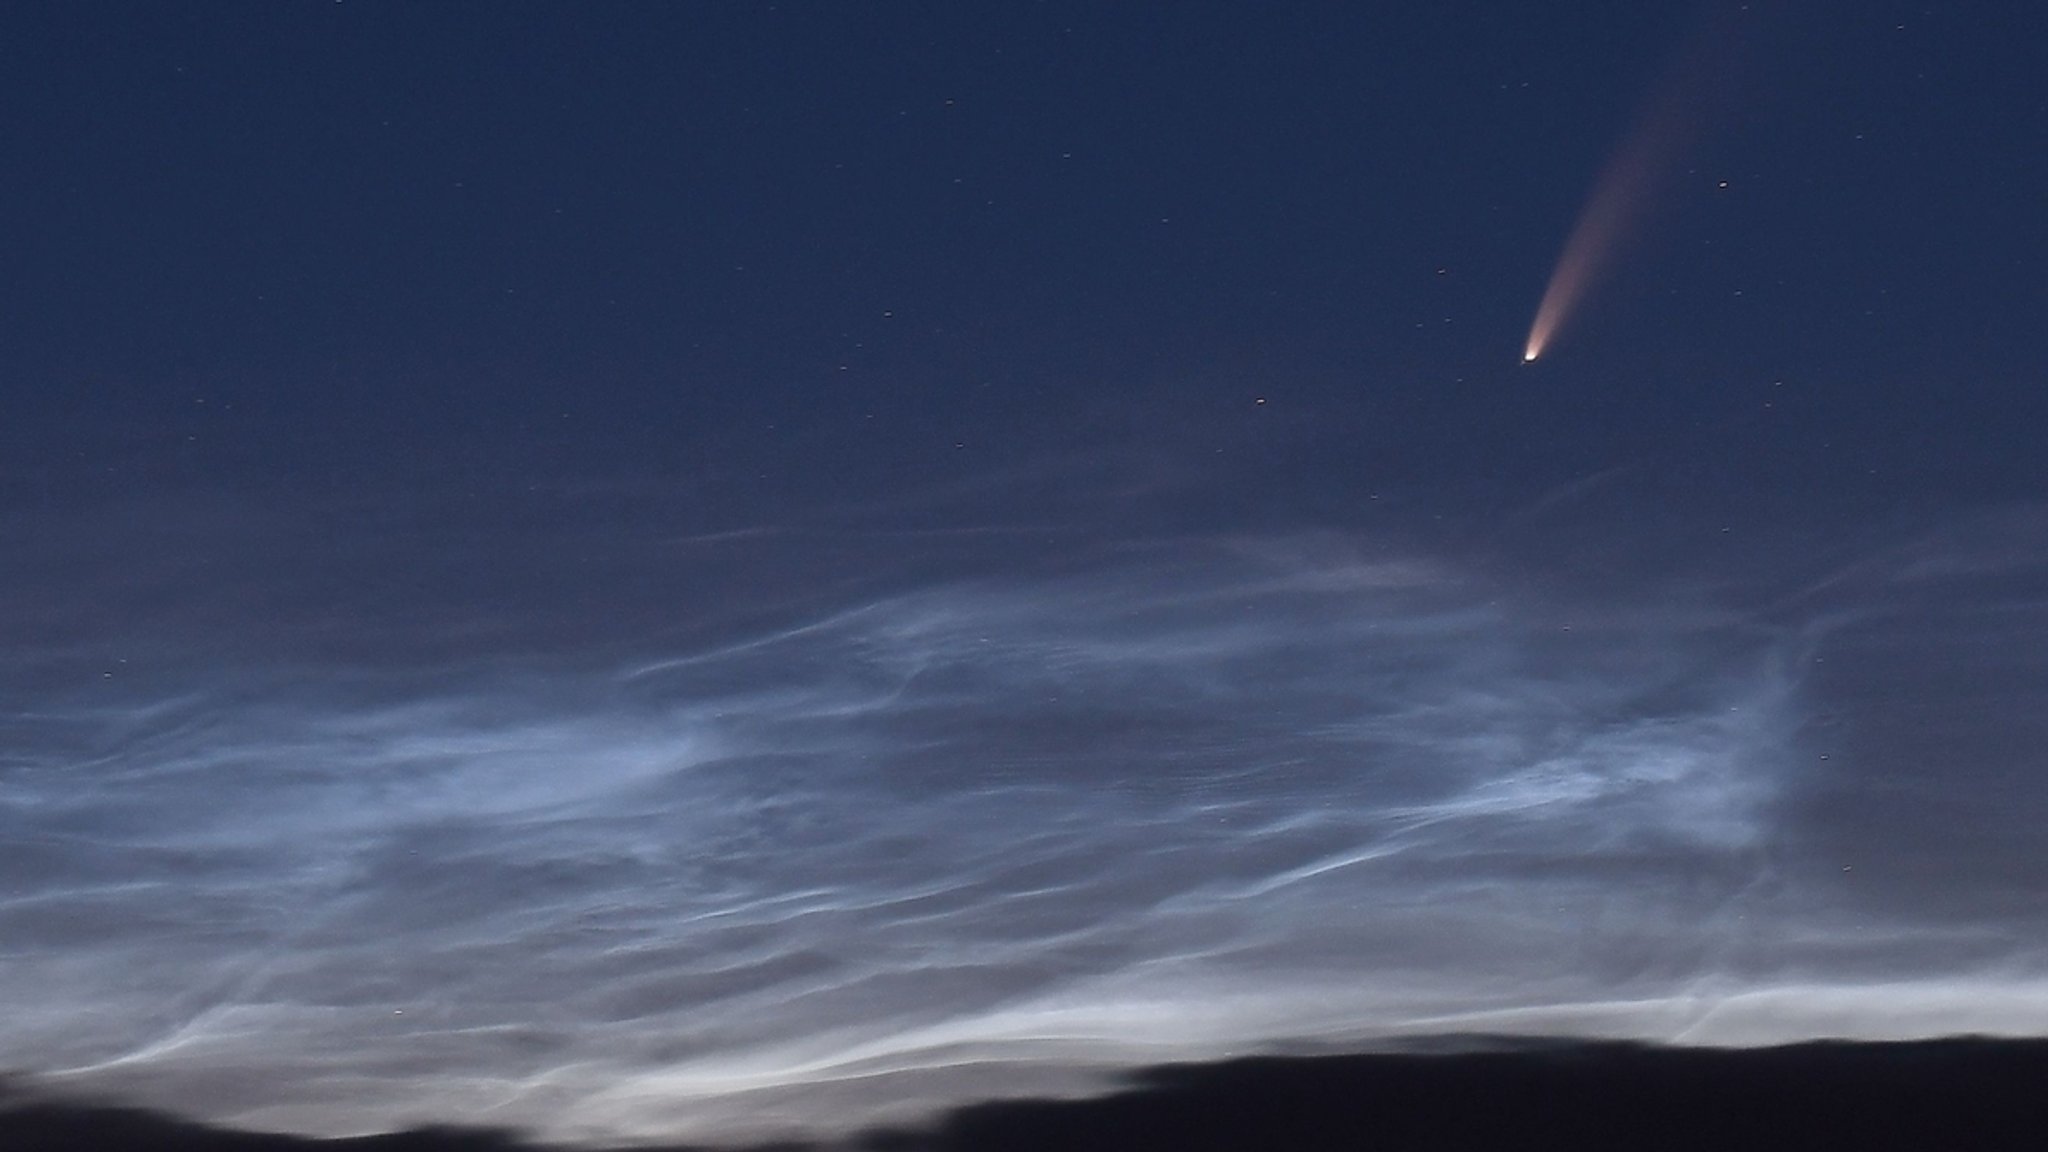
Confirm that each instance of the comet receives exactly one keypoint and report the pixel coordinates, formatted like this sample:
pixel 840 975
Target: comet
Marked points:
pixel 1606 221
pixel 1628 184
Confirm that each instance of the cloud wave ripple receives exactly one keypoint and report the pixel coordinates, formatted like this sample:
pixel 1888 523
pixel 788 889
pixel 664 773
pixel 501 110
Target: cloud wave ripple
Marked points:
pixel 959 837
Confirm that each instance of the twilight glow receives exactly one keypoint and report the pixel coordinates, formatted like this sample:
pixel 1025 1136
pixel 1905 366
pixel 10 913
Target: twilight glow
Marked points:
pixel 985 832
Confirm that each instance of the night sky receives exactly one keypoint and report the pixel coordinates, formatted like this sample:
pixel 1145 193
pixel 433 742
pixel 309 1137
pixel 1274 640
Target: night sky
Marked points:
pixel 718 571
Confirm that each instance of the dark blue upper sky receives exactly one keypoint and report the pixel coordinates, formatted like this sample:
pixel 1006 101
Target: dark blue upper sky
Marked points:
pixel 566 235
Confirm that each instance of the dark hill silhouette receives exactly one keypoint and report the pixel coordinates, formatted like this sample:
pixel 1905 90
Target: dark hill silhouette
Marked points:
pixel 1952 1095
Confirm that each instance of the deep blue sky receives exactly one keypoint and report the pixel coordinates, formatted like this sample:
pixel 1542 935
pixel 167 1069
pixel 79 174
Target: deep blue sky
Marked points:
pixel 580 234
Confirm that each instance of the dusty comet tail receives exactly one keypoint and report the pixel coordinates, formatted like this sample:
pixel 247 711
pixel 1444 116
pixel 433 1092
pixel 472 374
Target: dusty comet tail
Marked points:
pixel 1626 187
pixel 1609 212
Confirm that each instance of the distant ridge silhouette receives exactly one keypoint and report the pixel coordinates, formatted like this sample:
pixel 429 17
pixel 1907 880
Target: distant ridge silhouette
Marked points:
pixel 1460 1095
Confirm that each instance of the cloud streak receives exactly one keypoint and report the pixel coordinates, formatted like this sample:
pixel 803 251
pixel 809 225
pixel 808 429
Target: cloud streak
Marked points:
pixel 998 831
